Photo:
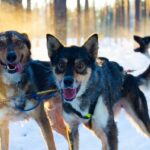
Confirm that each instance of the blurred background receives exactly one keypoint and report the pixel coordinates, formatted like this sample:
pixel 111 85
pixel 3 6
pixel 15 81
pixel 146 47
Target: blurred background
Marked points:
pixel 116 21
pixel 76 19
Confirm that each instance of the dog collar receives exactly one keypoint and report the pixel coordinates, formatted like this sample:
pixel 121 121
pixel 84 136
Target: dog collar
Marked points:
pixel 87 116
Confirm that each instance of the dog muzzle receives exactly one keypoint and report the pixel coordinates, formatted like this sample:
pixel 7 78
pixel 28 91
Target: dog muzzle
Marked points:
pixel 12 68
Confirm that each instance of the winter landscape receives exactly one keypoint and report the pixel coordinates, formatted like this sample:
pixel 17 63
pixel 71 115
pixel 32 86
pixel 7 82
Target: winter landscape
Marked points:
pixel 72 21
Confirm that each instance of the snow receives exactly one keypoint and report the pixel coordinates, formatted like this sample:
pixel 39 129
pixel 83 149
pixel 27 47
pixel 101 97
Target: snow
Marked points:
pixel 25 135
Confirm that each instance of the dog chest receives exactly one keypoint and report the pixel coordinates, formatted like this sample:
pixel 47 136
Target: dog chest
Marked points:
pixel 5 91
pixel 9 79
pixel 73 119
pixel 73 113
pixel 101 114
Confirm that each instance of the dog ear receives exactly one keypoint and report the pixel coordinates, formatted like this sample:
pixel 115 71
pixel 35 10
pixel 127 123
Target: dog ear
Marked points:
pixel 26 38
pixel 53 44
pixel 138 39
pixel 91 45
pixel 139 50
pixel 25 35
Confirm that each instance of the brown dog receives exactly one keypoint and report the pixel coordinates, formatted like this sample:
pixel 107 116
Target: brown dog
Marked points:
pixel 20 76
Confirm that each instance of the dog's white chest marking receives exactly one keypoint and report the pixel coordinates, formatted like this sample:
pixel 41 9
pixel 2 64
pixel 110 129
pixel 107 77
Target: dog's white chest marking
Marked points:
pixel 73 119
pixel 101 114
pixel 76 105
pixel 11 78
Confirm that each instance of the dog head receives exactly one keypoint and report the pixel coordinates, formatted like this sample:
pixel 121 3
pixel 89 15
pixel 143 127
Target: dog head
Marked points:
pixel 14 51
pixel 72 66
pixel 144 44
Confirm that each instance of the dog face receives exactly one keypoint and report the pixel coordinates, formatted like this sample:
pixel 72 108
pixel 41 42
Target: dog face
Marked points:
pixel 14 51
pixel 144 43
pixel 73 65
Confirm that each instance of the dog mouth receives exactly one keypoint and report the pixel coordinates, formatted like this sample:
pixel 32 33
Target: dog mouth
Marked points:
pixel 13 68
pixel 69 94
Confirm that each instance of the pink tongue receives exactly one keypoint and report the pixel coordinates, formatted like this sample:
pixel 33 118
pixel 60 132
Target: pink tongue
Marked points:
pixel 69 93
pixel 19 68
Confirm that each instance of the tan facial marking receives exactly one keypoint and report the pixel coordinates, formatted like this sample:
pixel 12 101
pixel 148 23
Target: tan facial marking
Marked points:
pixel 85 77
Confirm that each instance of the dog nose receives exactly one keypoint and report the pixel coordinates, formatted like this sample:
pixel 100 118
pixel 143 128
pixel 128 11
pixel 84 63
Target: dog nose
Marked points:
pixel 11 56
pixel 68 81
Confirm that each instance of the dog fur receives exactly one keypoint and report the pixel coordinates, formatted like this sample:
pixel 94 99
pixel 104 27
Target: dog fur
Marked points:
pixel 144 77
pixel 144 48
pixel 144 45
pixel 100 91
pixel 132 100
pixel 20 76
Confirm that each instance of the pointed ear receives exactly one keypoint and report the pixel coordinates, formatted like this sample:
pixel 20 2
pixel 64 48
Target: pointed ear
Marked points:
pixel 91 45
pixel 53 44
pixel 139 50
pixel 138 39
pixel 25 35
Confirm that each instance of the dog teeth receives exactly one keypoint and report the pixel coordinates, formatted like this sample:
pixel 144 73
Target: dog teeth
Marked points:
pixel 11 68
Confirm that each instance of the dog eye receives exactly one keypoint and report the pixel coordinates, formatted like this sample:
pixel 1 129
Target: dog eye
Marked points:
pixel 61 66
pixel 80 67
pixel 2 45
pixel 18 44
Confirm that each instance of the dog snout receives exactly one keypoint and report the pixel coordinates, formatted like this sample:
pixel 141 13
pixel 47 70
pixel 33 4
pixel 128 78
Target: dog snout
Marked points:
pixel 11 57
pixel 68 81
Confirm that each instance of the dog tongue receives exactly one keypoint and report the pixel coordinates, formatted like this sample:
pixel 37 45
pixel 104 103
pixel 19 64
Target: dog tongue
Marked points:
pixel 19 68
pixel 69 94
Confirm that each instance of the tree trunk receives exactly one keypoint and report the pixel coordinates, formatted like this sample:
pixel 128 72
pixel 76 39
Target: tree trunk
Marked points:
pixel 122 13
pixel 147 7
pixel 78 22
pixel 13 2
pixel 60 21
pixel 86 19
pixel 137 14
pixel 29 5
pixel 137 10
pixel 128 13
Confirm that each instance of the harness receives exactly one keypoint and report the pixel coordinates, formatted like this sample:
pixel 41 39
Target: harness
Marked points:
pixel 87 116
pixel 38 97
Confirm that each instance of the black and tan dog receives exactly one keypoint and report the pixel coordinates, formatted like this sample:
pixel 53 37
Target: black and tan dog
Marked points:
pixel 132 99
pixel 93 94
pixel 19 77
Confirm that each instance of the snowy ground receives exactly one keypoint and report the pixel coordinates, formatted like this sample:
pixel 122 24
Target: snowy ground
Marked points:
pixel 26 135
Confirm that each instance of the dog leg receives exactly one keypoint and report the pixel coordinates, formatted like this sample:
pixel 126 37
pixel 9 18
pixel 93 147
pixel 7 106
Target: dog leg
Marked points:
pixel 55 112
pixel 137 110
pixel 107 135
pixel 73 138
pixel 104 126
pixel 46 129
pixel 4 133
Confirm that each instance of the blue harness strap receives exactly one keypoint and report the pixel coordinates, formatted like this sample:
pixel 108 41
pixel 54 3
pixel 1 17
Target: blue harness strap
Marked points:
pixel 38 99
